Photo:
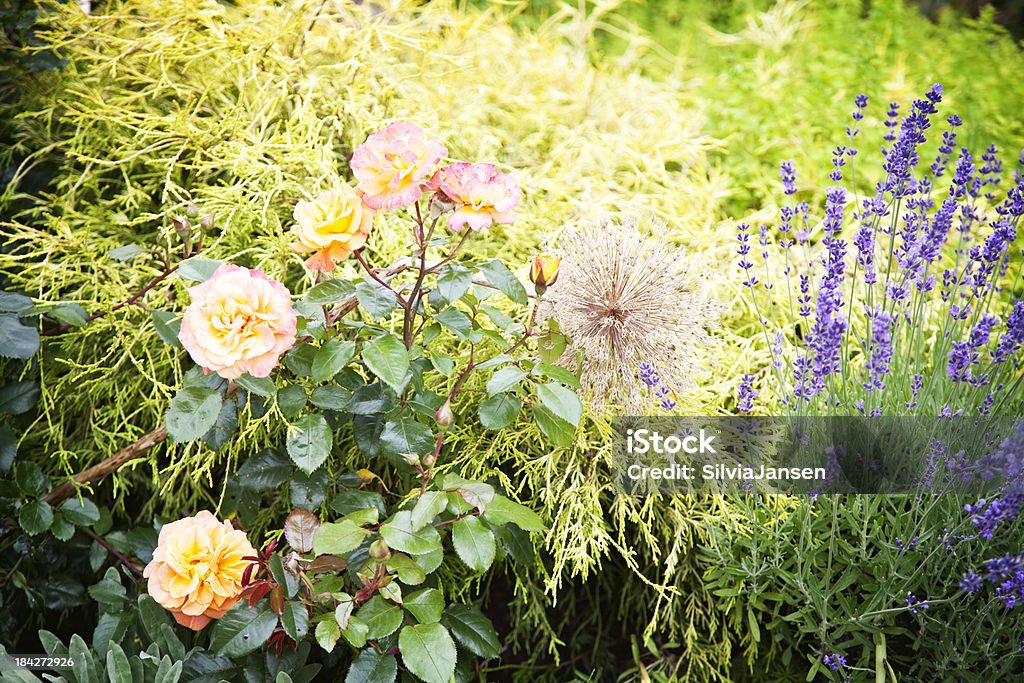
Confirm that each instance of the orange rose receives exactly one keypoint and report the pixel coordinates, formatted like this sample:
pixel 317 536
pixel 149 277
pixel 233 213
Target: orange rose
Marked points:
pixel 197 567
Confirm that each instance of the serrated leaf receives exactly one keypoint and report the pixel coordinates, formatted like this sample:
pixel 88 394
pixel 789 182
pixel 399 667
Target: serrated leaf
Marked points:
pixel 558 373
pixel 399 533
pixel 498 274
pixel 295 620
pixel 504 511
pixel 504 379
pixel 300 527
pixel 69 314
pixel 375 300
pixel 476 493
pixel 555 428
pixel 327 634
pixel 265 471
pixel 409 572
pixel 428 506
pixel 35 517
pixel 261 386
pixel 309 442
pixel 355 634
pixel 18 397
pixel 562 402
pixel 428 652
pixel 192 413
pixel 300 359
pixel 456 321
pixel 167 326
pixel 331 358
pixel 80 511
pixel 330 292
pixel 499 411
pixel 387 357
pixel 452 282
pixel 472 629
pixel 17 340
pixel 338 538
pixel 407 435
pixel 426 605
pixel 198 269
pixel 126 253
pixel 371 666
pixel 380 616
pixel 291 400
pixel 243 629
pixel 474 543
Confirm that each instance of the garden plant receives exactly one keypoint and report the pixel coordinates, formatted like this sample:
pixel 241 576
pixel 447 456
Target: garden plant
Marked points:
pixel 323 325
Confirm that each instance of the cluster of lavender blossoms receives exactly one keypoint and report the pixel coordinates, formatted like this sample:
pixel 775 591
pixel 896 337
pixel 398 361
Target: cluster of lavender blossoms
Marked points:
pixel 920 290
pixel 653 382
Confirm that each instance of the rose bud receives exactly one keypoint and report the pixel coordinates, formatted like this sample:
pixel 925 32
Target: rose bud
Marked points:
pixel 444 416
pixel 544 271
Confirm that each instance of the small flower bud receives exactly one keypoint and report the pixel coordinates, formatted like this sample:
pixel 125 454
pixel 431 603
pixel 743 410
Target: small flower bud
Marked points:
pixel 207 221
pixel 444 415
pixel 429 459
pixel 379 550
pixel 192 209
pixel 411 459
pixel 544 270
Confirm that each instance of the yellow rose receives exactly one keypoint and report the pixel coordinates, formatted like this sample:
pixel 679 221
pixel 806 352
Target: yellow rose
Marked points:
pixel 331 227
pixel 544 270
pixel 197 567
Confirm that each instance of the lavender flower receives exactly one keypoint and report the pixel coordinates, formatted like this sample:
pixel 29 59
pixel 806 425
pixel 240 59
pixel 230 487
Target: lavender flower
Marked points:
pixel 746 393
pixel 788 173
pixel 834 661
pixel 915 604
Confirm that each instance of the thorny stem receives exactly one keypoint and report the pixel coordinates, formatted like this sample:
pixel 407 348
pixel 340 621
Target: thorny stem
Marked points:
pixel 132 566
pixel 373 274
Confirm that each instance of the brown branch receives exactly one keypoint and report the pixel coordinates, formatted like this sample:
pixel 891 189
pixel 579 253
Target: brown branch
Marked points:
pixel 114 462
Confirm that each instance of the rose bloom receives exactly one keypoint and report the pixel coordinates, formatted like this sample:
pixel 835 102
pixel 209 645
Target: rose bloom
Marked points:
pixel 197 567
pixel 331 227
pixel 482 195
pixel 239 321
pixel 394 163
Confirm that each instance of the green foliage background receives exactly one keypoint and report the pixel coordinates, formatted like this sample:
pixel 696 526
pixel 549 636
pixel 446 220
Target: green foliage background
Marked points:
pixel 245 108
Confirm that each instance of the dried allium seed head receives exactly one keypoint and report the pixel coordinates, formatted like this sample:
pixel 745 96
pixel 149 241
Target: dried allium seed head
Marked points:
pixel 625 298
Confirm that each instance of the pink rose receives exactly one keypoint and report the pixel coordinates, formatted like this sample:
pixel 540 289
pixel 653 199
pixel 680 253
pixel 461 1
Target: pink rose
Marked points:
pixel 197 568
pixel 482 195
pixel 393 165
pixel 239 321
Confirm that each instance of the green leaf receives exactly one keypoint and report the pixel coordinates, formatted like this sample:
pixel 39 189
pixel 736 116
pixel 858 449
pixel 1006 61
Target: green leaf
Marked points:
pixel 126 253
pixel 400 534
pixel 504 379
pixel 558 373
pixel 474 543
pixel 61 528
pixel 198 269
pixel 30 479
pixel 331 358
pixel 35 517
pixel 498 274
pixel 499 411
pixel 8 448
pixel 167 326
pixel 267 470
pixel 291 399
pixel 551 346
pixel 472 629
pixel 331 397
pixel 309 442
pixel 11 302
pixel 261 386
pixel 295 620
pixel 224 427
pixel 350 501
pixel 428 652
pixel 407 435
pixel 375 300
pixel 18 397
pixel 442 363
pixel 338 538
pixel 167 672
pixel 284 578
pixel 502 321
pixel 426 605
pixel 109 590
pixel 371 666
pixel 118 668
pixel 80 511
pixel 330 292
pixel 69 314
pixel 555 428
pixel 452 283
pixel 300 359
pixel 409 573
pixel 428 506
pixel 380 616
pixel 343 612
pixel 387 357
pixel 476 493
pixel 327 634
pixel 562 402
pixel 17 340
pixel 355 634
pixel 243 629
pixel 192 413
pixel 504 511
pixel 456 321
